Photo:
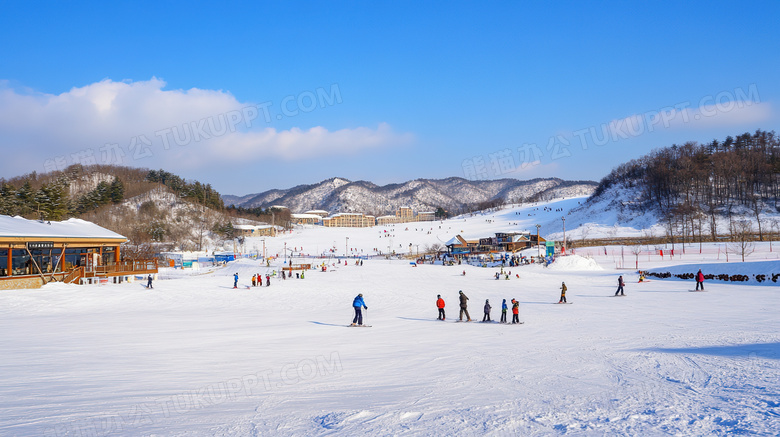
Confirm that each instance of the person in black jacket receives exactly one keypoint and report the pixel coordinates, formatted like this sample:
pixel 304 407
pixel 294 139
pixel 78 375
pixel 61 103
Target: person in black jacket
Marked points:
pixel 620 286
pixel 464 306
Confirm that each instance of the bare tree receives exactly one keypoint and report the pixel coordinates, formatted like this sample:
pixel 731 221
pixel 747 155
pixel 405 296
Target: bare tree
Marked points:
pixel 743 239
pixel 637 250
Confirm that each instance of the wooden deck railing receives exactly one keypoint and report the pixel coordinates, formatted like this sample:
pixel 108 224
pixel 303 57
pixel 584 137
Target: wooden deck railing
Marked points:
pixel 74 275
pixel 137 266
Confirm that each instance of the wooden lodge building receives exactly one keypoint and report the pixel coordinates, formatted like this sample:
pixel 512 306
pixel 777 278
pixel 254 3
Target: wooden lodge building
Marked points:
pixel 33 253
pixel 502 242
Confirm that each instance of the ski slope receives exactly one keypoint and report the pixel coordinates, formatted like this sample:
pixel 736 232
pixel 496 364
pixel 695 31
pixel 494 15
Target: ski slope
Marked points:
pixel 195 357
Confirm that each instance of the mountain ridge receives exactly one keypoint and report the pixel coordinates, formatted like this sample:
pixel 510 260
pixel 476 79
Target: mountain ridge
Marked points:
pixel 454 194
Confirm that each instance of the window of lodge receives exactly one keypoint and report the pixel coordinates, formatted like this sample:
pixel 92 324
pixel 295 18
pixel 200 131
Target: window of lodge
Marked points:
pixel 4 262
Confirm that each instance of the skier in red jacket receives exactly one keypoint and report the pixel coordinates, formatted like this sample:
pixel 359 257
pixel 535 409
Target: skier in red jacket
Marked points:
pixel 440 306
pixel 700 280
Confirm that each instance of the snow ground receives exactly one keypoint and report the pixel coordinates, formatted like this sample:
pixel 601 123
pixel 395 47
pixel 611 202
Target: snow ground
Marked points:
pixel 193 356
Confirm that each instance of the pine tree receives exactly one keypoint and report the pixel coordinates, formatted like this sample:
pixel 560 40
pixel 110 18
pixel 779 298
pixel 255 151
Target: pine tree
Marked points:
pixel 117 191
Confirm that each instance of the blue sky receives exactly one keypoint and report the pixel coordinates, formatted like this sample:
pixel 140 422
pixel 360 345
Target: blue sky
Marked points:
pixel 379 91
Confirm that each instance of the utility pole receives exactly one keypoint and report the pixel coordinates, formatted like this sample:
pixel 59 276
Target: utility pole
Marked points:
pixel 346 248
pixel 538 250
pixel 564 234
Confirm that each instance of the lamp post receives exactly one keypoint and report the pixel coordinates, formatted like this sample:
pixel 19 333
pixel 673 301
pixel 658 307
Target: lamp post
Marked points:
pixel 263 249
pixel 285 252
pixel 564 234
pixel 538 250
pixel 346 248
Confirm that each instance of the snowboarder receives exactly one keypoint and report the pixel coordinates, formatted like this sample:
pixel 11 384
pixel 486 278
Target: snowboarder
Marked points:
pixel 235 280
pixel 267 280
pixel 563 293
pixel 149 281
pixel 699 280
pixel 440 306
pixel 503 311
pixel 486 317
pixel 358 304
pixel 620 286
pixel 515 311
pixel 463 306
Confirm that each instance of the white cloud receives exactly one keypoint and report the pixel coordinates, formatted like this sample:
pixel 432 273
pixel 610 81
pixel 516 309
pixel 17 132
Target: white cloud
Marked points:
pixel 183 127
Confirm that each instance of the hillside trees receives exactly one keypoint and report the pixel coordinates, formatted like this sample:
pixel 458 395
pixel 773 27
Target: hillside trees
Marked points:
pixel 690 183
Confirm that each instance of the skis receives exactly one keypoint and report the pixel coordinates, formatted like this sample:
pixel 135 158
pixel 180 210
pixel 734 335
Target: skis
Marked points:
pixel 697 291
pixel 618 295
pixel 562 303
pixel 359 326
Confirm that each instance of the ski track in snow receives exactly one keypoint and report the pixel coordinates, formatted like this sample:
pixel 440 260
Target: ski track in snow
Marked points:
pixel 195 357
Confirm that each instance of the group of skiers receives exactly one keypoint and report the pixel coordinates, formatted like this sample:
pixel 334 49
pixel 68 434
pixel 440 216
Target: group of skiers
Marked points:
pixel 257 280
pixel 486 318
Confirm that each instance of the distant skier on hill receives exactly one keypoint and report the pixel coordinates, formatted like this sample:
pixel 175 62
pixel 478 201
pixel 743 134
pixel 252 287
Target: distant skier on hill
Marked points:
pixel 700 280
pixel 503 311
pixel 149 281
pixel 235 280
pixel 440 306
pixel 620 286
pixel 358 304
pixel 464 306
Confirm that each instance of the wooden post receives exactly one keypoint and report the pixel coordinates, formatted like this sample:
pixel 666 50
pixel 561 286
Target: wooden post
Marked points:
pixel 62 255
pixel 40 272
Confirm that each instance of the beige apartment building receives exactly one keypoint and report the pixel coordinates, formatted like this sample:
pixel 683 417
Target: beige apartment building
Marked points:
pixel 349 220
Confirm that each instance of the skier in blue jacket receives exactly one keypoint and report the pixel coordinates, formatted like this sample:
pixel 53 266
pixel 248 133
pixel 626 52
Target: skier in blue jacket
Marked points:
pixel 358 304
pixel 235 280
pixel 504 308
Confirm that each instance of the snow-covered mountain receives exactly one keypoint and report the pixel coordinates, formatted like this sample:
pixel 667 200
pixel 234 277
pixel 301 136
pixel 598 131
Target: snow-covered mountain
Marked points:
pixel 453 194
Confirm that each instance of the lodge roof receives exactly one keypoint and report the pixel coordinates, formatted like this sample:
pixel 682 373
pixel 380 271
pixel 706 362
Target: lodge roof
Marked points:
pixel 19 227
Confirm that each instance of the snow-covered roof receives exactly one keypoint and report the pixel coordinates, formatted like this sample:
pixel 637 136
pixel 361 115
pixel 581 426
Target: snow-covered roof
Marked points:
pixel 305 216
pixel 316 211
pixel 250 227
pixel 19 227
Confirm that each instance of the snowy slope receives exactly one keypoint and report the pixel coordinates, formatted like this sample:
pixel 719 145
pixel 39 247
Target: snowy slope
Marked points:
pixel 196 357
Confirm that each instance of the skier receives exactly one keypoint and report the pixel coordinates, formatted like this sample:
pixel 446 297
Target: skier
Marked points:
pixel 235 280
pixel 486 317
pixel 267 280
pixel 503 311
pixel 284 275
pixel 358 304
pixel 254 280
pixel 620 286
pixel 302 272
pixel 259 280
pixel 149 281
pixel 515 311
pixel 463 306
pixel 440 306
pixel 699 280
pixel 563 293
